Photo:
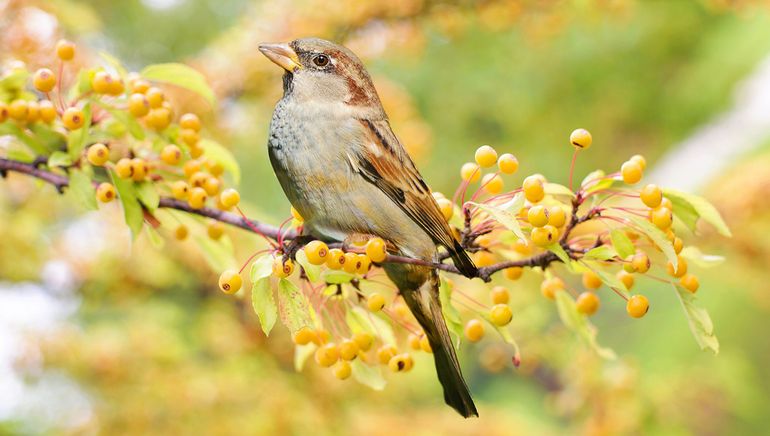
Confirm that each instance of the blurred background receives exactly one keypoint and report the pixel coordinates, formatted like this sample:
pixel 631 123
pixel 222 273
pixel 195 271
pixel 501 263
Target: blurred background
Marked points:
pixel 98 335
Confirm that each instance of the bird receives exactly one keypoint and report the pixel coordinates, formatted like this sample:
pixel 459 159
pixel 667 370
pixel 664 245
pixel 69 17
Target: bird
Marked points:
pixel 343 169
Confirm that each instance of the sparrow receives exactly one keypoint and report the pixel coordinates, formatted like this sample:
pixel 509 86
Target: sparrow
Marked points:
pixel 345 171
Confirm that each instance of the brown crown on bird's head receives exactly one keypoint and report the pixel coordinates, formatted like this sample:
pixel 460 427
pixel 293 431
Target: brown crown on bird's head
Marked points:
pixel 321 70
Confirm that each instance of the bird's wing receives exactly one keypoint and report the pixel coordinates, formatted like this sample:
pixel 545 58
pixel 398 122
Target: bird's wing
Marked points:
pixel 383 162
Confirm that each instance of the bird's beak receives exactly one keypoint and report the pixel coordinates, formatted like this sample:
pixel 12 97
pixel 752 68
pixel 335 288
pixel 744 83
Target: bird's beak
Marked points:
pixel 283 55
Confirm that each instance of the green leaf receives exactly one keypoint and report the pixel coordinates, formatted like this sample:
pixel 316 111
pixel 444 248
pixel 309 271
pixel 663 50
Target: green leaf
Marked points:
pixel 368 375
pixel 32 142
pixel 608 279
pixel 657 236
pixel 558 250
pixel 264 305
pixel 147 194
pixel 451 315
pixel 701 206
pixel 81 190
pixel 360 320
pixel 337 277
pixel 699 320
pixel 219 254
pixel 598 181
pixel 578 323
pixel 125 118
pixel 700 259
pixel 154 237
pixel 557 189
pixel 180 75
pixel 505 333
pixel 132 210
pixel 220 154
pixel 261 268
pixel 114 63
pixel 295 309
pixel 622 243
pixel 301 354
pixel 59 159
pixel 77 139
pixel 505 214
pixel 603 252
pixel 313 272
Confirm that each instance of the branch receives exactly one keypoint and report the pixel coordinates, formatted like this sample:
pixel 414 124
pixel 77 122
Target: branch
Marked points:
pixel 541 260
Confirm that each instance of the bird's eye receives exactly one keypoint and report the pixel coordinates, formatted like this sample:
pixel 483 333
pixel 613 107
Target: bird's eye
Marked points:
pixel 321 60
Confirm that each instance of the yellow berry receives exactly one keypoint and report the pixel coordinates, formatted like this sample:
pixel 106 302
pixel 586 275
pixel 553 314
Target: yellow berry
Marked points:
pixel 385 353
pixel 196 151
pixel 690 282
pixel 322 337
pixel 189 136
pixel 348 349
pixel 65 50
pixel 124 169
pixel 138 105
pixel 101 82
pixel 678 244
pixel 317 252
pixel 342 370
pixel 549 287
pixel 179 189
pixel 626 278
pixel 474 330
pixel 493 183
pixel 362 264
pixel 181 232
pixel 375 302
pixel 401 363
pixel 591 280
pixel 351 260
pixel 470 172
pixel 662 218
pixel 587 303
pixel 651 196
pixel 282 269
pixel 304 336
pixel 637 306
pixel 171 154
pixel 198 179
pixel 557 217
pixel 230 198
pixel 33 112
pixel 3 112
pixel 44 80
pixel 631 172
pixel 155 97
pixel 196 198
pixel 544 236
pixel 158 118
pixel 538 216
pixel 73 118
pixel 640 160
pixel 335 259
pixel 230 281
pixel 513 273
pixel 580 138
pixel 105 192
pixel 190 121
pixel 215 168
pixel 215 229
pixel 680 270
pixel 507 163
pixel 47 111
pixel 18 110
pixel 534 190
pixel 364 340
pixel 377 250
pixel 327 355
pixel 666 203
pixel 98 154
pixel 500 295
pixel 641 263
pixel 212 185
pixel 500 314
pixel 295 213
pixel 484 258
pixel 446 207
pixel 425 344
pixel 139 86
pixel 486 156
pixel 140 169
pixel 414 341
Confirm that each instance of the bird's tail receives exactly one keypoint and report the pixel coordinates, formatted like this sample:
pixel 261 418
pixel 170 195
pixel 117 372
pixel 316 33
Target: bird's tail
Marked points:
pixel 426 307
pixel 462 261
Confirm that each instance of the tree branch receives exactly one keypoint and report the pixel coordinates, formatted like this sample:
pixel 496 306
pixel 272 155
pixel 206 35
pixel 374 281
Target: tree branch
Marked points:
pixel 541 260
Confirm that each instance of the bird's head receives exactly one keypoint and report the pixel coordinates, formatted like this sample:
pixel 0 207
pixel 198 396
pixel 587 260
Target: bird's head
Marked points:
pixel 322 72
